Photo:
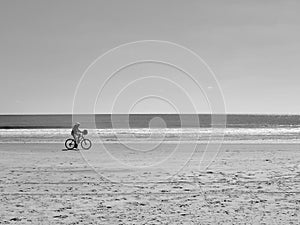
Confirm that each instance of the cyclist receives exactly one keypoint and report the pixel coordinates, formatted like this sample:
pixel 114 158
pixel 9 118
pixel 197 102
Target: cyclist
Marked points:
pixel 76 133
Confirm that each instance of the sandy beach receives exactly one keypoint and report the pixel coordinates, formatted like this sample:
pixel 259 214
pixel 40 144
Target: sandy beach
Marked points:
pixel 245 183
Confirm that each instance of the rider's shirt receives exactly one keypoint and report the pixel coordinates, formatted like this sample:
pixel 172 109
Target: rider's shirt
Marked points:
pixel 75 129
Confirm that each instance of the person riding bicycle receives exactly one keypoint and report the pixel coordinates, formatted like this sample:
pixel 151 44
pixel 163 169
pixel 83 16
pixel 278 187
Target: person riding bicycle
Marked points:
pixel 78 138
pixel 76 133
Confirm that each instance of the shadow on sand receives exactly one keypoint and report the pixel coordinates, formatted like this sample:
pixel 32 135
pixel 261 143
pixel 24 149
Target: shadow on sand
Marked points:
pixel 74 149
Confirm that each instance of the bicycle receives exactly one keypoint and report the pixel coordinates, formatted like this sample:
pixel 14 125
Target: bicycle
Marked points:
pixel 85 143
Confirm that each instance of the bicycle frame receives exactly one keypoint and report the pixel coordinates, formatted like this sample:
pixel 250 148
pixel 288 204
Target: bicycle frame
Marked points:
pixel 80 138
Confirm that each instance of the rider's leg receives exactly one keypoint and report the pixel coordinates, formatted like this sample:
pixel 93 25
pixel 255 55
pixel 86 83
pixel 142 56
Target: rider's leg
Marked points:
pixel 76 140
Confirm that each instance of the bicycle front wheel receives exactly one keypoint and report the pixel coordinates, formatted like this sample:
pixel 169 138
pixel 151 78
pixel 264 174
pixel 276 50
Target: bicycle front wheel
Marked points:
pixel 86 144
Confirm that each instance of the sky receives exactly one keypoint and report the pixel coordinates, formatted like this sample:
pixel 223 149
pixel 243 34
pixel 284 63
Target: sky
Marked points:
pixel 252 47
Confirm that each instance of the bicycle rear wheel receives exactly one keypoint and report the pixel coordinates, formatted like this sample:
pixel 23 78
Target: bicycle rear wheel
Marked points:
pixel 70 144
pixel 86 144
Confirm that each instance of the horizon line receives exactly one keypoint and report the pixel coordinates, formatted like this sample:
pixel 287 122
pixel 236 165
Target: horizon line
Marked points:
pixel 67 114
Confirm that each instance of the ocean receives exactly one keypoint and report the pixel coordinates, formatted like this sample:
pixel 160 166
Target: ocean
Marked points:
pixel 104 121
pixel 141 128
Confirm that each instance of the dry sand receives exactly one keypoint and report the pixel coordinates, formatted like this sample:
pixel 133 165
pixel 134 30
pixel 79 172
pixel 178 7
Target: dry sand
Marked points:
pixel 245 184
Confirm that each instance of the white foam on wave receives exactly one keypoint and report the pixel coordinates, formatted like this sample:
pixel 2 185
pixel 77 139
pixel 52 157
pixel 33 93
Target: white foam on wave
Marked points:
pixel 169 134
pixel 179 131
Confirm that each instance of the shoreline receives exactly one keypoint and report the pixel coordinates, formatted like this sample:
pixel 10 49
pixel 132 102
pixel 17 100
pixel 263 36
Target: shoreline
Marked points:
pixel 167 135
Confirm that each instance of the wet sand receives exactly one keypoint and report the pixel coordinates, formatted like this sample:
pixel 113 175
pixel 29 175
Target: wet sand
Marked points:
pixel 244 184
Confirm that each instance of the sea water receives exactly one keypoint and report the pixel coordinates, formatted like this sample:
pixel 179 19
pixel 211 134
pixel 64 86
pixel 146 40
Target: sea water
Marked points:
pixel 138 128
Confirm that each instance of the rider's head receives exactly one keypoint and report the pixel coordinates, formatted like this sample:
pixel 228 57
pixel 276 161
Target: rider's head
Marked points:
pixel 77 123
